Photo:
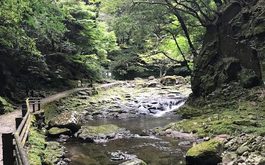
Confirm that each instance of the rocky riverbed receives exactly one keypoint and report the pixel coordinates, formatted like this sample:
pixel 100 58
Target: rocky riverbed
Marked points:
pixel 141 121
pixel 134 99
pixel 115 123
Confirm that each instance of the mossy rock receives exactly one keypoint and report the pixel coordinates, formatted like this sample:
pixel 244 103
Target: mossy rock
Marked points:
pixel 68 120
pixel 51 110
pixel 42 152
pixel 259 29
pixel 246 123
pixel 92 133
pixel 249 79
pixel 206 153
pixel 168 80
pixel 53 152
pixel 242 149
pixel 56 132
pixel 5 106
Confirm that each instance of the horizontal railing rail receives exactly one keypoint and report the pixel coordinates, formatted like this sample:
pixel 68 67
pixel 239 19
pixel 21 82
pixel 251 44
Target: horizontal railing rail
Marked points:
pixel 14 143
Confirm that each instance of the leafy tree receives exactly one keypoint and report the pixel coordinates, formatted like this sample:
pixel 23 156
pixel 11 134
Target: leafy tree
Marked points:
pixel 152 33
pixel 50 42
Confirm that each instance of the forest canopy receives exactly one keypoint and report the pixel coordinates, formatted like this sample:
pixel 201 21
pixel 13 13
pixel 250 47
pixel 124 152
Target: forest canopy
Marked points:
pixel 53 42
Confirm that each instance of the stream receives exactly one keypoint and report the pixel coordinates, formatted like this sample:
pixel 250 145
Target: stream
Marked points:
pixel 154 150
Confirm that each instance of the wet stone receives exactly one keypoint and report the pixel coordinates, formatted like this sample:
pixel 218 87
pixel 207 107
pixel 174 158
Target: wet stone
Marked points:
pixel 119 155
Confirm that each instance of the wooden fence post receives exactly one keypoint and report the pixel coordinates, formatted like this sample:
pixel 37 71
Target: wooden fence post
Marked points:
pixel 18 121
pixel 24 110
pixel 8 149
pixel 33 106
pixel 38 104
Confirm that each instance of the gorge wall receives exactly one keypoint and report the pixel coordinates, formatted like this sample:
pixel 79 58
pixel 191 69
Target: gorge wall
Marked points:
pixel 233 48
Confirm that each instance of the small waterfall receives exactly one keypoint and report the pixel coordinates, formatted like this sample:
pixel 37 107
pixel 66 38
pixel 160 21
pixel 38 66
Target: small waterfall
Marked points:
pixel 170 108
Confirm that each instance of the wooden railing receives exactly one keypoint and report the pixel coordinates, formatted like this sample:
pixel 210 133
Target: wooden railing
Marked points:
pixel 14 143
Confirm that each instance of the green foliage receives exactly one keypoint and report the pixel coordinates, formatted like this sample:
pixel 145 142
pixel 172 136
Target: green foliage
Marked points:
pixel 12 36
pixel 44 21
pixel 99 130
pixel 90 64
pixel 5 106
pixel 49 42
pixel 126 64
pixel 224 117
pixel 37 146
pixel 42 152
pixel 151 34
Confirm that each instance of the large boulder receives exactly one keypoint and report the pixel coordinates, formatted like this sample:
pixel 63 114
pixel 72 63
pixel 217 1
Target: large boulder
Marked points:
pixel 233 48
pixel 206 153
pixel 151 84
pixel 68 120
pixel 168 80
pixel 101 133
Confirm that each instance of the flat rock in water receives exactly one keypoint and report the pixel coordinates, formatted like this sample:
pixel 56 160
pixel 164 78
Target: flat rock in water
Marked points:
pixel 180 135
pixel 135 161
pixel 83 93
pixel 117 156
pixel 101 133
pixel 56 132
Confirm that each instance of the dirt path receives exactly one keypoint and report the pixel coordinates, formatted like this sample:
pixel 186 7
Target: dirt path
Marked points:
pixel 7 121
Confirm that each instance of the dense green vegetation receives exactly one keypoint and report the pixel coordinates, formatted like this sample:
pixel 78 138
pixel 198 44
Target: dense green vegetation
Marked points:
pixel 47 46
pixel 151 42
pixel 51 43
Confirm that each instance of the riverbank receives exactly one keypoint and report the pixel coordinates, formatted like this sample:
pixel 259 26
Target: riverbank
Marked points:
pixel 130 109
pixel 147 110
pixel 232 112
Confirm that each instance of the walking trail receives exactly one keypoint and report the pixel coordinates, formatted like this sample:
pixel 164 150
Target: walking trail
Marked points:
pixel 7 121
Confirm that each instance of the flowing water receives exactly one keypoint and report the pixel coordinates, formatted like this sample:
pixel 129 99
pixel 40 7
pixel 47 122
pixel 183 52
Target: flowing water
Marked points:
pixel 153 150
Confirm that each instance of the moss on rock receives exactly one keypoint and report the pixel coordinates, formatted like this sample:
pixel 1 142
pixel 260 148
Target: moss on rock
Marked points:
pixel 37 146
pixel 210 118
pixel 205 153
pixel 66 119
pixel 168 80
pixel 55 131
pixel 102 132
pixel 42 152
pixel 51 110
pixel 205 148
pixel 103 129
pixel 53 152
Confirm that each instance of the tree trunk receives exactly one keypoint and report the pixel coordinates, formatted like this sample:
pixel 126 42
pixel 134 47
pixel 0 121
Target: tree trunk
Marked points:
pixel 186 32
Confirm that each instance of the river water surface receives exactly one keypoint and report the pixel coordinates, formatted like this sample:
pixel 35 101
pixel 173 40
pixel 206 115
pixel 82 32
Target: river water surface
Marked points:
pixel 154 150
